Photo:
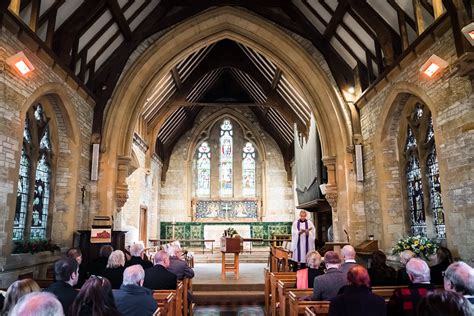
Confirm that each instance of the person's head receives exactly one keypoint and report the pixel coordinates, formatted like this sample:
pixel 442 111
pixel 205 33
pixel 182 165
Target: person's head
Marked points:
pixel 66 269
pixel 96 293
pixel 162 258
pixel 332 260
pixel 116 259
pixel 136 250
pixel 76 254
pixel 303 215
pixel 348 252
pixel 38 304
pixel 418 271
pixel 105 251
pixel 358 275
pixel 134 275
pixel 313 259
pixel 17 290
pixel 171 250
pixel 444 303
pixel 405 256
pixel 379 259
pixel 459 277
pixel 443 255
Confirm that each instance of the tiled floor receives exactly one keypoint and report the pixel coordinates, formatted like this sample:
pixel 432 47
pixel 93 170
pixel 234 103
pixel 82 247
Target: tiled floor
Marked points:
pixel 228 311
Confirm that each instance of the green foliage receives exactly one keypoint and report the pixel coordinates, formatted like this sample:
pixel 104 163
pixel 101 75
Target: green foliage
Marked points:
pixel 420 245
pixel 230 232
pixel 34 246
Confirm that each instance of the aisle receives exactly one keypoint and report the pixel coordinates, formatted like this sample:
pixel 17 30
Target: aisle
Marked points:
pixel 210 290
pixel 229 311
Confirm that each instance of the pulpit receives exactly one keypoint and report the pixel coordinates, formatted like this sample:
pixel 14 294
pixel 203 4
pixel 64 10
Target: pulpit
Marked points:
pixel 231 245
pixel 91 251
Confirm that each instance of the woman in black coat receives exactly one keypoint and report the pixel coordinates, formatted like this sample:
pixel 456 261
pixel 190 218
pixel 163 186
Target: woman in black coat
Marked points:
pixel 380 273
pixel 115 268
pixel 357 298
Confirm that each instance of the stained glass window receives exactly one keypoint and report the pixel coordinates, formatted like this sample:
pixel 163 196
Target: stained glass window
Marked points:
pixel 248 170
pixel 430 132
pixel 415 196
pixel 226 152
pixel 203 170
pixel 418 111
pixel 436 202
pixel 22 197
pixel 40 200
pixel 411 141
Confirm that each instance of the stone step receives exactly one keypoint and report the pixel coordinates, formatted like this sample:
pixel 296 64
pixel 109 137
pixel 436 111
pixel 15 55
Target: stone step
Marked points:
pixel 228 297
pixel 228 286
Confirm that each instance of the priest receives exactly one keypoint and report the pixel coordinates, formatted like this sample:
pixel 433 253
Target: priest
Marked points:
pixel 302 239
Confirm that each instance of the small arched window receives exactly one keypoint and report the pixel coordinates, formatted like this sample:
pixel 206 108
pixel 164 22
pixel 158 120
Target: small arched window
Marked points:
pixel 34 181
pixel 248 170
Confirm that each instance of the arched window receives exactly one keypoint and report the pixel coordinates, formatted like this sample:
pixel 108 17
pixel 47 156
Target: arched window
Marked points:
pixel 248 170
pixel 226 152
pixel 203 170
pixel 422 173
pixel 31 219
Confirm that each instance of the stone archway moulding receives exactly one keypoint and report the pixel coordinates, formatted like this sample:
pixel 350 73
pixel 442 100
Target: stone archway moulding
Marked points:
pixel 397 98
pixel 207 28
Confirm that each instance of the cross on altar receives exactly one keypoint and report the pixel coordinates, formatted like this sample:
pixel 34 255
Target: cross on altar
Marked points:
pixel 226 207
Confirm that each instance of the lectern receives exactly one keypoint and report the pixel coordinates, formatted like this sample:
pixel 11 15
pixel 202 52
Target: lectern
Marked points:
pixel 234 246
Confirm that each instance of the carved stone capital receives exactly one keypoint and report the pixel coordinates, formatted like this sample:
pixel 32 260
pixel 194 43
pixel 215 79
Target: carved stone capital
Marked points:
pixel 331 197
pixel 121 197
pixel 121 188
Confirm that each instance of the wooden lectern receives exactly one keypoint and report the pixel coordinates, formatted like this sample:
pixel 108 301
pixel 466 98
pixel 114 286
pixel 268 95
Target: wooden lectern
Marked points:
pixel 231 245
pixel 367 248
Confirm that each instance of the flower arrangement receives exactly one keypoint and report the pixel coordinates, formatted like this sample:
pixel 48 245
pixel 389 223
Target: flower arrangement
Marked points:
pixel 34 246
pixel 420 245
pixel 230 232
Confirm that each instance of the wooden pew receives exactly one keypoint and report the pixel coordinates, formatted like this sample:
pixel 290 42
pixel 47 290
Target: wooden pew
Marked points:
pixel 166 300
pixel 188 308
pixel 385 291
pixel 157 312
pixel 283 287
pixel 308 311
pixel 267 273
pixel 274 278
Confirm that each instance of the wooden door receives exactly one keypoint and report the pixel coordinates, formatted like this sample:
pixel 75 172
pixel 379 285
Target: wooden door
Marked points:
pixel 143 234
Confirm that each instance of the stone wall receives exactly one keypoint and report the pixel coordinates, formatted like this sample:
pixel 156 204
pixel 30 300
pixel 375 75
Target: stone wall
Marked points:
pixel 450 99
pixel 175 196
pixel 72 115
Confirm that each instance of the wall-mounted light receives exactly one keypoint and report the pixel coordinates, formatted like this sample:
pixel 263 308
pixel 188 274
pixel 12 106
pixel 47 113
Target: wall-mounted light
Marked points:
pixel 21 63
pixel 468 31
pixel 351 90
pixel 433 66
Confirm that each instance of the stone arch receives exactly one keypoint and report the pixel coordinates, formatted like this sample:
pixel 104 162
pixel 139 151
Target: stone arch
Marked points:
pixel 331 114
pixel 392 211
pixel 65 135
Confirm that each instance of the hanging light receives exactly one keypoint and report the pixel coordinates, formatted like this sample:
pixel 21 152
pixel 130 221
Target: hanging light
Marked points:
pixel 468 32
pixel 433 66
pixel 21 63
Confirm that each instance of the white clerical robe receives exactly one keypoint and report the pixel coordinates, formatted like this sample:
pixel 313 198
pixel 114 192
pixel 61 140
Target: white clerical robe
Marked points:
pixel 304 243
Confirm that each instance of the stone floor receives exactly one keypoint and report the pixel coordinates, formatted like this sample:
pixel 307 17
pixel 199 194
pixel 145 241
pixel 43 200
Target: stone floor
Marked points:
pixel 210 273
pixel 229 310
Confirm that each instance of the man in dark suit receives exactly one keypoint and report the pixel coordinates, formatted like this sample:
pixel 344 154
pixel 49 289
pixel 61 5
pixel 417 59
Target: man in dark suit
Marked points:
pixel 158 277
pixel 66 273
pixel 459 277
pixel 177 264
pixel 132 298
pixel 136 251
pixel 404 301
pixel 327 285
pixel 348 256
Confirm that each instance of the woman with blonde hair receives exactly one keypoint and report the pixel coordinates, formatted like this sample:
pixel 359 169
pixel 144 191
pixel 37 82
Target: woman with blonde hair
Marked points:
pixel 115 267
pixel 17 290
pixel 305 277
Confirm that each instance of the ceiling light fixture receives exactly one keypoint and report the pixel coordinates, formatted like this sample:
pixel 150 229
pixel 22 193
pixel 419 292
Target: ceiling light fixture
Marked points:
pixel 351 90
pixel 468 32
pixel 433 66
pixel 21 63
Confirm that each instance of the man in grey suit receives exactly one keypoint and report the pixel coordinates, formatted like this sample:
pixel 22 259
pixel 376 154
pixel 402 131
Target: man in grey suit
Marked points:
pixel 348 256
pixel 327 285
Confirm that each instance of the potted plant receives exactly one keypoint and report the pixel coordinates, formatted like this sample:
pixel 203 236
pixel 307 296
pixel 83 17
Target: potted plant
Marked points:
pixel 420 245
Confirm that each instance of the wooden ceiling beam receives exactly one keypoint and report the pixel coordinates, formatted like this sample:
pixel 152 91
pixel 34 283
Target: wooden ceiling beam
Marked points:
pixel 336 19
pixel 52 10
pixel 176 78
pixel 120 19
pixel 276 78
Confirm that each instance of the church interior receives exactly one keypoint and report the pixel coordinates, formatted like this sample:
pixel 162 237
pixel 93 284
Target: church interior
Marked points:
pixel 155 121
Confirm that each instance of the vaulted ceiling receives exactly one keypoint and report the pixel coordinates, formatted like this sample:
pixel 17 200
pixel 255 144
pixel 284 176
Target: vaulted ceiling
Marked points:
pixel 359 39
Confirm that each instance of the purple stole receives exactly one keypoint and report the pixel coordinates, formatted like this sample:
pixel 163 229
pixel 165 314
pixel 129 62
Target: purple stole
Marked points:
pixel 299 238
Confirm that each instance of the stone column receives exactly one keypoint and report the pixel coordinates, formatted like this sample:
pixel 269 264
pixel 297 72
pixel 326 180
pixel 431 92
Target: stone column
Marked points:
pixel 121 187
pixel 332 194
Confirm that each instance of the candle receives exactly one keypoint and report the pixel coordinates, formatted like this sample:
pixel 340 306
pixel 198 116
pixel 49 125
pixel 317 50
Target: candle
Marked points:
pixel 174 220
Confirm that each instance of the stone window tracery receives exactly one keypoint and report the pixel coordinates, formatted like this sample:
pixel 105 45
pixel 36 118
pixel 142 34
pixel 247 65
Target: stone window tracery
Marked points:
pixel 31 219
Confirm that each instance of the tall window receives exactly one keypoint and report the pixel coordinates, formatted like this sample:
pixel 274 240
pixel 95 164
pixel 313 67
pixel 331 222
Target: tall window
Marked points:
pixel 203 170
pixel 422 173
pixel 248 170
pixel 226 152
pixel 34 178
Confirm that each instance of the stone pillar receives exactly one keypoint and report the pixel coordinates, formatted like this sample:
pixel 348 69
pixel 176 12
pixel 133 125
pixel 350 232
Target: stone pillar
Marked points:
pixel 121 188
pixel 332 194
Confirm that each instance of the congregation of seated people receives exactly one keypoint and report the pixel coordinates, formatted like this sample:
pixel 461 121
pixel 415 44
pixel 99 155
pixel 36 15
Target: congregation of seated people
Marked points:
pixel 111 285
pixel 348 285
